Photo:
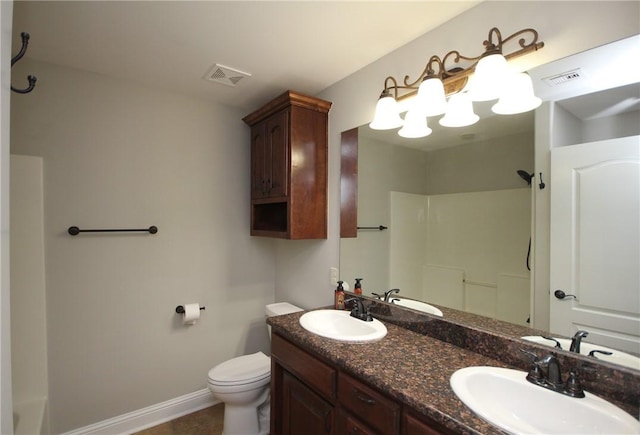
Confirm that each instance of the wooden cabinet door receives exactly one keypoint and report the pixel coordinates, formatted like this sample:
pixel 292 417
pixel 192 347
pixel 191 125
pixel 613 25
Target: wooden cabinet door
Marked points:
pixel 303 411
pixel 259 156
pixel 277 147
pixel 270 157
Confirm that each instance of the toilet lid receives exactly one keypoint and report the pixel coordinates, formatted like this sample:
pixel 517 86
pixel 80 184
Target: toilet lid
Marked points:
pixel 241 370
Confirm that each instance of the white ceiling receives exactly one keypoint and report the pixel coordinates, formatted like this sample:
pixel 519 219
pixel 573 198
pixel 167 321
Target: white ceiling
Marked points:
pixel 301 45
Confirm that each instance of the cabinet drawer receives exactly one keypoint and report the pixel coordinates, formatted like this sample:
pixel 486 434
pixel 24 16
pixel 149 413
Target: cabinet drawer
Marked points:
pixel 422 425
pixel 371 407
pixel 349 425
pixel 307 368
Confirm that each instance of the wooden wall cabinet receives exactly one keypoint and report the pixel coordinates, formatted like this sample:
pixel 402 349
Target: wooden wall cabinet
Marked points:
pixel 289 167
pixel 310 396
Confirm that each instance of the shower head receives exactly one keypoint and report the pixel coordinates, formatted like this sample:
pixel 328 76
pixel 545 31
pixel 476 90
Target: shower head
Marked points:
pixel 525 176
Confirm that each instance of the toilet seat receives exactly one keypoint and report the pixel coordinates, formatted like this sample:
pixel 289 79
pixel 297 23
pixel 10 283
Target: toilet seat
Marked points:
pixel 243 370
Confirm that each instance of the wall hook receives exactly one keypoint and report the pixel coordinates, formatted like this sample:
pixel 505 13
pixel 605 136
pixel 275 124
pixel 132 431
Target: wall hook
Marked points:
pixel 31 79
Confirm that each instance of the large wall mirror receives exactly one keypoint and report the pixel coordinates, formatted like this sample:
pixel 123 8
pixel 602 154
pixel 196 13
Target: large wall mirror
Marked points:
pixel 450 219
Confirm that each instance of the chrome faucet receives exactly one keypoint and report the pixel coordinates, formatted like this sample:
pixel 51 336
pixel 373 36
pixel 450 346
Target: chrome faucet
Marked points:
pixel 551 378
pixel 577 340
pixel 387 295
pixel 360 311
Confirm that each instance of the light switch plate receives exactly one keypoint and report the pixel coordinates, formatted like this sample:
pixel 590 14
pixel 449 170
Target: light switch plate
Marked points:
pixel 334 276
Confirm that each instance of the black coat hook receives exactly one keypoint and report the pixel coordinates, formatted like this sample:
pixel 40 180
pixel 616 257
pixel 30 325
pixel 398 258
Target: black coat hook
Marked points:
pixel 31 79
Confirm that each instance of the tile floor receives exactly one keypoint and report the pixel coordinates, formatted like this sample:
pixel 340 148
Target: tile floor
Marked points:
pixel 207 421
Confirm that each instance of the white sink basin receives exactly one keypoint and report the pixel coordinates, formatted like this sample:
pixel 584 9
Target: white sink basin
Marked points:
pixel 417 305
pixel 339 325
pixel 504 397
pixel 617 357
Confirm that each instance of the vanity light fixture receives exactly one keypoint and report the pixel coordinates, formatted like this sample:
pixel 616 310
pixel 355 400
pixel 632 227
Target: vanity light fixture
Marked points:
pixel 485 77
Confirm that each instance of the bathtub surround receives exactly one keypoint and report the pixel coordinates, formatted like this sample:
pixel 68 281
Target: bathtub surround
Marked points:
pixel 28 297
pixel 465 250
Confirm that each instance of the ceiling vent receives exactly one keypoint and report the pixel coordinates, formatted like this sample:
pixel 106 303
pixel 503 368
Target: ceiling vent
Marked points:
pixel 225 75
pixel 565 77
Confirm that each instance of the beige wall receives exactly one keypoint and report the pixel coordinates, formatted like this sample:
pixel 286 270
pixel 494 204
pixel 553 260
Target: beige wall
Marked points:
pixel 118 155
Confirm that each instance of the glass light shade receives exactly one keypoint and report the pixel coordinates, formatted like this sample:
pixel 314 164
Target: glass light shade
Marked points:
pixel 431 97
pixel 488 78
pixel 518 96
pixel 459 112
pixel 415 125
pixel 387 114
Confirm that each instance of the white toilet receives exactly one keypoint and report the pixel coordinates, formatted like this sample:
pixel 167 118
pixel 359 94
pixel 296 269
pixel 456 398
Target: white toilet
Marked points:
pixel 242 383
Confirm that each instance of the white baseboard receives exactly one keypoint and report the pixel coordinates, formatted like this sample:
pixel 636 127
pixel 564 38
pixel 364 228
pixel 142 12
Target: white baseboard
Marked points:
pixel 150 416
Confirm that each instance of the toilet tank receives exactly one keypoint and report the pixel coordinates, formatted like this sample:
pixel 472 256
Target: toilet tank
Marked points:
pixel 278 309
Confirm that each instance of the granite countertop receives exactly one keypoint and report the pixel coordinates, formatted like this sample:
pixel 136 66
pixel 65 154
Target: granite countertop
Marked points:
pixel 412 368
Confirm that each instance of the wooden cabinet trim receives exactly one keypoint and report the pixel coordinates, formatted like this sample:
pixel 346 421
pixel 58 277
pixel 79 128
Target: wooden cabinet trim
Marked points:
pixel 289 98
pixel 349 184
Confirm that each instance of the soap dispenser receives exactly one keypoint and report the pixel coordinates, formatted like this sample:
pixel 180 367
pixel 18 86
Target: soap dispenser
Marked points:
pixel 357 289
pixel 339 297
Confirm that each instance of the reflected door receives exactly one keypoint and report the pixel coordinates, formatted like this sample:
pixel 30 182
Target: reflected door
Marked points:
pixel 595 241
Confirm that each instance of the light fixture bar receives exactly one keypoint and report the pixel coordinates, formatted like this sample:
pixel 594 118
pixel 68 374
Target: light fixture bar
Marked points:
pixel 454 77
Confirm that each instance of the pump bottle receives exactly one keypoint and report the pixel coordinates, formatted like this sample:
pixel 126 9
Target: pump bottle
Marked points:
pixel 357 289
pixel 339 297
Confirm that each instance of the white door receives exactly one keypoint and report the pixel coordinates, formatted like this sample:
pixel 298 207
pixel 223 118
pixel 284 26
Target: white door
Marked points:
pixel 595 241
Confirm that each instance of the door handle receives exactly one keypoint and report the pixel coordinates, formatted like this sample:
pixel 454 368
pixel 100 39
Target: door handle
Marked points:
pixel 562 295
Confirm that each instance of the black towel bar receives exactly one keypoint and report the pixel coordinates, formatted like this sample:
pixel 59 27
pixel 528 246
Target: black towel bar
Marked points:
pixel 380 228
pixel 74 231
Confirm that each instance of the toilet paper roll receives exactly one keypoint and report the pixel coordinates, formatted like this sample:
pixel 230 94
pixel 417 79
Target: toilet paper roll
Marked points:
pixel 191 314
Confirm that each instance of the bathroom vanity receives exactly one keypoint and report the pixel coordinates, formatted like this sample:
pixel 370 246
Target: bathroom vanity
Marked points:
pixel 399 384
pixel 385 387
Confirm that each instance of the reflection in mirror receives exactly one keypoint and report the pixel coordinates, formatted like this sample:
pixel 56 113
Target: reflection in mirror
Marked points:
pixel 459 206
pixel 458 213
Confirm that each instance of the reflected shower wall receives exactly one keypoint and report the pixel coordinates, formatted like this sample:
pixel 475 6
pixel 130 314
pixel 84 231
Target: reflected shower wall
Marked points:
pixel 466 251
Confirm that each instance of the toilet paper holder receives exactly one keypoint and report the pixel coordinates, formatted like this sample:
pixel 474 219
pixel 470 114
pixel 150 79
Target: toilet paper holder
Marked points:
pixel 180 309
